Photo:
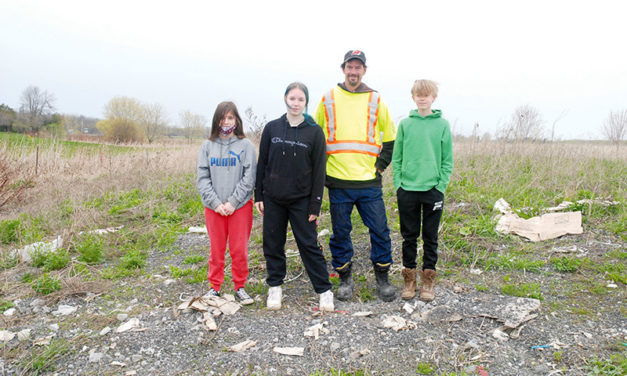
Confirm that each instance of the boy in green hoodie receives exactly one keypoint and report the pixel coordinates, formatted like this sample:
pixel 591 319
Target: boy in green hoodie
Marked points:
pixel 422 162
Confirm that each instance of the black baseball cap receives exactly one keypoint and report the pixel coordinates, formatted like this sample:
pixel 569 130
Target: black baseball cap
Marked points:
pixel 355 54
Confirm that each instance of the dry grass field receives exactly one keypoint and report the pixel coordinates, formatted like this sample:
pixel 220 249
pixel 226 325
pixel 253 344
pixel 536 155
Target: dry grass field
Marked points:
pixel 150 191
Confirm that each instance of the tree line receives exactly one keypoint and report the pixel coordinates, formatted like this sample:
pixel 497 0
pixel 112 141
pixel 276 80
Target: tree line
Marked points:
pixel 129 120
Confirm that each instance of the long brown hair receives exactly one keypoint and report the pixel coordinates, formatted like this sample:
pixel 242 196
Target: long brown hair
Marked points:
pixel 221 111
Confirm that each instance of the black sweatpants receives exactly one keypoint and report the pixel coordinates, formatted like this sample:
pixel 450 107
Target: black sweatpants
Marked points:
pixel 275 219
pixel 417 208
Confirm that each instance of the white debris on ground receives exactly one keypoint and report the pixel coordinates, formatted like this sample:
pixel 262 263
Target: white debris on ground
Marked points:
pixel 197 229
pixel 324 232
pixel 212 307
pixel 362 314
pixel 64 310
pixel 316 330
pixel 25 253
pixel 293 351
pixel 242 346
pixel 544 227
pixel 129 325
pixel 397 323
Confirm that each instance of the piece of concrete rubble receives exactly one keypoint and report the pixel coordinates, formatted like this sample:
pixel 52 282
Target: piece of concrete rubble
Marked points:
pixel 64 310
pixel 9 312
pixel 210 323
pixel 408 308
pixel 106 330
pixel 23 335
pixel 359 353
pixel 293 351
pixel 362 314
pixel 25 253
pixel 242 346
pixel 315 330
pixel 119 364
pixel 397 323
pixel 95 357
pixel 323 233
pixel 130 324
pixel 122 316
pixel 43 341
pixel 6 335
pixel 197 229
pixel 500 335
pixel 509 310
pixel 502 206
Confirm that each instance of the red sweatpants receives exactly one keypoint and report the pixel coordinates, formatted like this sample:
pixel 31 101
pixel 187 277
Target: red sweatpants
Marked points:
pixel 236 228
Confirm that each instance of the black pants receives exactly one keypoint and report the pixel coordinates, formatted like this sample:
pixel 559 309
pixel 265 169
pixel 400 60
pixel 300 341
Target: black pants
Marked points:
pixel 416 208
pixel 275 219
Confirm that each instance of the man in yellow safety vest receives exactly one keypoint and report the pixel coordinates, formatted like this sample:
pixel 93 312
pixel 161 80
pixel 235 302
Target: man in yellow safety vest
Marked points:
pixel 360 136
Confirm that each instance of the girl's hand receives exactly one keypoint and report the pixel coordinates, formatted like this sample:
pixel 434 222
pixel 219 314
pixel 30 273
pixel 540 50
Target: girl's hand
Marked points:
pixel 259 207
pixel 312 217
pixel 228 208
pixel 220 209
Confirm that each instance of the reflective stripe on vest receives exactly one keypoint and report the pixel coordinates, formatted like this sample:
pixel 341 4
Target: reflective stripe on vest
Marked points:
pixel 367 146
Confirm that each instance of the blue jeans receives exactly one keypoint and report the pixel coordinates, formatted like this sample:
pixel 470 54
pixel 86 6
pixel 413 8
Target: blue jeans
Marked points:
pixel 369 203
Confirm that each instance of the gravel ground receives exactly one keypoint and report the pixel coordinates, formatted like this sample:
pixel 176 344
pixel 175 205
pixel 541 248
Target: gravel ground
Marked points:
pixel 454 333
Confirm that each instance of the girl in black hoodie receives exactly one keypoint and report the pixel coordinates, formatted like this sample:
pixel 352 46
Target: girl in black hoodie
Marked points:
pixel 289 187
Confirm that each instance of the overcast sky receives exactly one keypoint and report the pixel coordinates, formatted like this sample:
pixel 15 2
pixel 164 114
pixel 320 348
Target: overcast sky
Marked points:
pixel 565 58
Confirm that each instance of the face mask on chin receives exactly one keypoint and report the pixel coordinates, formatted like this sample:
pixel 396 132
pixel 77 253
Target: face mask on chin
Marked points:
pixel 227 130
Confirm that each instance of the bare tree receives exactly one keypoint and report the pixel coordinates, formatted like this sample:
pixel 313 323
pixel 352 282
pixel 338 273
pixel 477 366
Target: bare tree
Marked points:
pixel 615 126
pixel 255 124
pixel 525 124
pixel 153 121
pixel 192 124
pixel 35 105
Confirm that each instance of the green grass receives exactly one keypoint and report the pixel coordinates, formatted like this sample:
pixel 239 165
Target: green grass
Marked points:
pixel 194 259
pixel 567 264
pixel 46 284
pixel 4 305
pixel 616 365
pixel 22 142
pixel 525 290
pixel 43 361
pixel 90 248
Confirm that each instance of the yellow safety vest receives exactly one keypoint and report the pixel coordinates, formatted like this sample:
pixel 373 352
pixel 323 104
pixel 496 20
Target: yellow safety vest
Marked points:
pixel 364 140
pixel 353 124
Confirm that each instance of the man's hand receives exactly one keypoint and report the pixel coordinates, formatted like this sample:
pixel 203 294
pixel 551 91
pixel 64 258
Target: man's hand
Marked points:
pixel 312 217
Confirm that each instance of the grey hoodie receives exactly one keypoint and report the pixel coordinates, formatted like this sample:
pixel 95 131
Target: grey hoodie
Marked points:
pixel 226 172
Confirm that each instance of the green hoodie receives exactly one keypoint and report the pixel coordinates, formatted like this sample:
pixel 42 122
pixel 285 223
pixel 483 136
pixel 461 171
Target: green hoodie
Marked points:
pixel 423 152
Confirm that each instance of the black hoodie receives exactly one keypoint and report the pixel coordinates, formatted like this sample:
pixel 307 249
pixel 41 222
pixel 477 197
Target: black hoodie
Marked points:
pixel 292 163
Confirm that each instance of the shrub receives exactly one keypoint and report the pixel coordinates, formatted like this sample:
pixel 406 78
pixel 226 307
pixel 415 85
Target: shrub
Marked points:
pixel 90 249
pixel 9 230
pixel 120 130
pixel 56 260
pixel 46 284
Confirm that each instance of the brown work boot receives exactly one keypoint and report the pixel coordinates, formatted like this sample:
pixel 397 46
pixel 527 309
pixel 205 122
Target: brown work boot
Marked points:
pixel 427 277
pixel 409 291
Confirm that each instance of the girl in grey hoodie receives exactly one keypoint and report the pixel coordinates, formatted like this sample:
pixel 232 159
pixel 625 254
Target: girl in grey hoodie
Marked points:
pixel 226 178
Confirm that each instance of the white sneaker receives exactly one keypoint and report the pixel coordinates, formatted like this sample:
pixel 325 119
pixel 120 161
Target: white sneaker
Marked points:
pixel 326 301
pixel 274 298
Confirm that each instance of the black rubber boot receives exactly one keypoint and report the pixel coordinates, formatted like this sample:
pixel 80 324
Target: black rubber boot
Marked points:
pixel 386 291
pixel 345 291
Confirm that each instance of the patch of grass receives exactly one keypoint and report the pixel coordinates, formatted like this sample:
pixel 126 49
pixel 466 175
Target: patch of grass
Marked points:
pixel 125 201
pixel 56 260
pixel 46 284
pixel 513 261
pixel 194 259
pixel 27 277
pixel 133 259
pixel 566 264
pixel 90 248
pixel 177 272
pixel 482 288
pixel 9 231
pixel 5 304
pixel 365 294
pixel 8 260
pixel 525 290
pixel 616 365
pixel 43 361
pixel 424 368
pixel 198 276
